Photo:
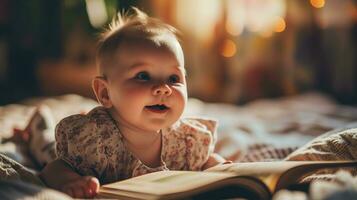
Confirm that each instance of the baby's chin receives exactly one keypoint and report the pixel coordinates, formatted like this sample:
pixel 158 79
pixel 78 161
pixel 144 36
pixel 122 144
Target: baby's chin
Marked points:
pixel 160 124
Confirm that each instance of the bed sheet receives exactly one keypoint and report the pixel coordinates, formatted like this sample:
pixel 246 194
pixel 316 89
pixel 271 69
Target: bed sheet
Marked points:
pixel 266 129
pixel 270 129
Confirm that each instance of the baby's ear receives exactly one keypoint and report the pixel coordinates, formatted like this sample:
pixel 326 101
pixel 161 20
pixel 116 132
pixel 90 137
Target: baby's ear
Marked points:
pixel 100 88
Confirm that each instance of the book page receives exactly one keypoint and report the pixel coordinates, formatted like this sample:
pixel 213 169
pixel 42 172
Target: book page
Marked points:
pixel 297 173
pixel 271 172
pixel 168 182
pixel 255 168
pixel 268 172
pixel 257 176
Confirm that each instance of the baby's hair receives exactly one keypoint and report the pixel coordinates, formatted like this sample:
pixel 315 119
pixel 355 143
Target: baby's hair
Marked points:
pixel 125 27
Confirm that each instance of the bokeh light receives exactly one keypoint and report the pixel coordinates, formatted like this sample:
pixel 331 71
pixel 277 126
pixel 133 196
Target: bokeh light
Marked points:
pixel 317 3
pixel 228 49
pixel 280 25
pixel 233 29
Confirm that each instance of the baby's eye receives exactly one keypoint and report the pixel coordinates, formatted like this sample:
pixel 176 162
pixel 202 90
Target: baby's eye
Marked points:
pixel 142 76
pixel 174 79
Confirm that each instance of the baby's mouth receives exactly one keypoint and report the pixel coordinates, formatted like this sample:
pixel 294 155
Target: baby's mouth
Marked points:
pixel 158 108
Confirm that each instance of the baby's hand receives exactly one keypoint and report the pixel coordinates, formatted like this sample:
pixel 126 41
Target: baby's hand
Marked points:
pixel 83 187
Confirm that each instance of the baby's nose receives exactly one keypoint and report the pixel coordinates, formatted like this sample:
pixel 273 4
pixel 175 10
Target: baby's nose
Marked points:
pixel 162 89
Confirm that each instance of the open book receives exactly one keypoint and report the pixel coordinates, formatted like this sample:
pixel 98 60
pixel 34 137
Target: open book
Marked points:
pixel 258 180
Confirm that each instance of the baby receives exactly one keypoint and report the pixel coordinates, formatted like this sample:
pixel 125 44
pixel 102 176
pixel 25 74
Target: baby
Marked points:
pixel 138 129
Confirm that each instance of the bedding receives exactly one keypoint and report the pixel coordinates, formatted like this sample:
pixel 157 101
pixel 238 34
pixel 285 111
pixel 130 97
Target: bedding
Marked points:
pixel 40 116
pixel 263 130
pixel 345 187
pixel 338 144
pixel 11 170
pixel 271 129
pixel 10 190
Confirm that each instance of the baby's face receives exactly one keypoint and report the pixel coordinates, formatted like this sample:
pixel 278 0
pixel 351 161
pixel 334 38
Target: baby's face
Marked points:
pixel 147 85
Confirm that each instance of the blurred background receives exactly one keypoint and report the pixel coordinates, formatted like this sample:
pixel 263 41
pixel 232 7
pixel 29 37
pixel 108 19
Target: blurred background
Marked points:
pixel 236 51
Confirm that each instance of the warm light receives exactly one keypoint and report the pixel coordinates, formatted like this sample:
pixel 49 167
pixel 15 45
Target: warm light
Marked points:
pixel 280 25
pixel 200 23
pixel 97 13
pixel 266 34
pixel 317 3
pixel 229 48
pixel 261 14
pixel 235 17
pixel 233 29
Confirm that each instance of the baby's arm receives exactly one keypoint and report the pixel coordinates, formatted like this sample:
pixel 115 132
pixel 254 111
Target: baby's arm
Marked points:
pixel 213 160
pixel 60 176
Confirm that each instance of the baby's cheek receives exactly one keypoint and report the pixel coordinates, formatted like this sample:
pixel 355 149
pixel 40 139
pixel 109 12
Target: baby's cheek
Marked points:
pixel 180 93
pixel 180 101
pixel 183 91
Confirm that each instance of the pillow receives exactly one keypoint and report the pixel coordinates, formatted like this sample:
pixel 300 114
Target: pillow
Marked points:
pixel 21 190
pixel 339 144
pixel 14 171
pixel 39 136
pixel 36 118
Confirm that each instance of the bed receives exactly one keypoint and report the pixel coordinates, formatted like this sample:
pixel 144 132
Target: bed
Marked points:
pixel 263 130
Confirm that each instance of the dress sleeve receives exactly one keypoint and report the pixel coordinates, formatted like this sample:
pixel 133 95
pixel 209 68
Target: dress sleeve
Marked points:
pixel 200 139
pixel 78 145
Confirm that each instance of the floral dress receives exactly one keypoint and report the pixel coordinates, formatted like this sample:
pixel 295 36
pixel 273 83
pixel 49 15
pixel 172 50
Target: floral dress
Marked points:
pixel 93 145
